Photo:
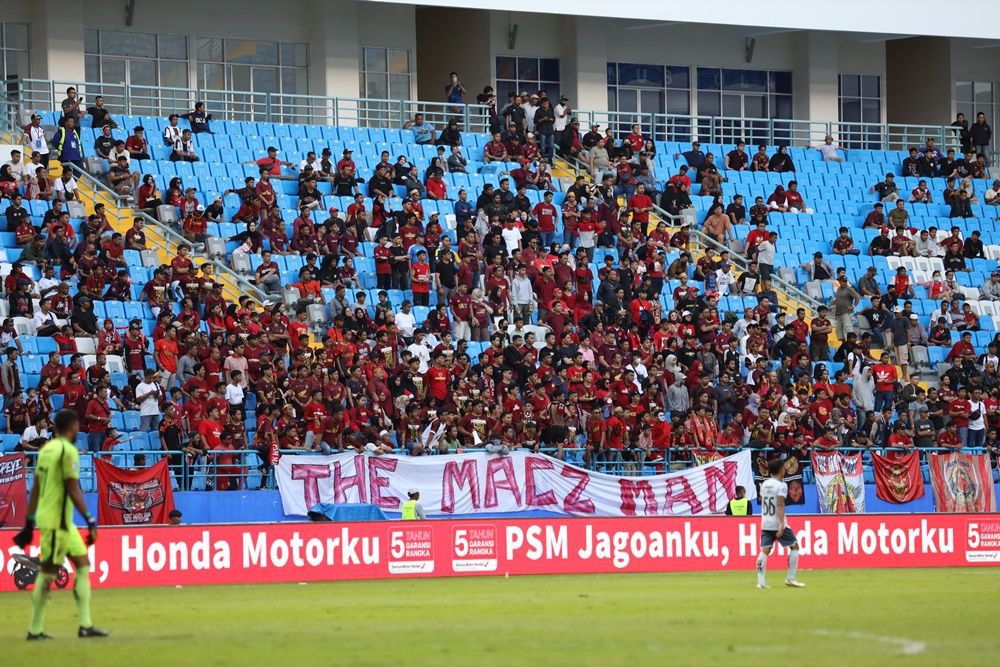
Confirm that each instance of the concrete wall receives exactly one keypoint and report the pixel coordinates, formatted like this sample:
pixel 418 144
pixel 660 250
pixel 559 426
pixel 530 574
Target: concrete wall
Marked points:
pixel 333 29
pixel 452 40
pixel 918 74
pixel 919 83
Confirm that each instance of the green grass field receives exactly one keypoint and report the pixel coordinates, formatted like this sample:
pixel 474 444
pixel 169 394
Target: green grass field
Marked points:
pixel 861 617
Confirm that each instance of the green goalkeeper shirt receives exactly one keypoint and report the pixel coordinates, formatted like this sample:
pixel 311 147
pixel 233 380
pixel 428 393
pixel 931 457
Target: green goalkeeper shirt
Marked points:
pixel 58 461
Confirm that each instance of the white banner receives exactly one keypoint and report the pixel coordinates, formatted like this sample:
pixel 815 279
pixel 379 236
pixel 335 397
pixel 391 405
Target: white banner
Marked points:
pixel 488 483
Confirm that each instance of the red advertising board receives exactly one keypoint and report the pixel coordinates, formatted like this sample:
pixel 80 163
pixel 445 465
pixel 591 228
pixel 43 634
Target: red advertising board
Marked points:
pixel 292 552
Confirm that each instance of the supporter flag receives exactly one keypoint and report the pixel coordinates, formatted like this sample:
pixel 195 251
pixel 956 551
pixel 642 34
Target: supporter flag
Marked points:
pixel 793 476
pixel 704 457
pixel 13 491
pixel 962 482
pixel 840 485
pixel 897 478
pixel 128 497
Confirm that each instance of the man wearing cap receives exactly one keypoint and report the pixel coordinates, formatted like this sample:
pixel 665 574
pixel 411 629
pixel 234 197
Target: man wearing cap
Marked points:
pixel 412 509
pixel 887 189
pixel 195 228
pixel 34 136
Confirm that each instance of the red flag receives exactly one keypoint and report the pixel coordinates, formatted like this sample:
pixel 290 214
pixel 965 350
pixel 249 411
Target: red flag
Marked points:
pixel 13 491
pixel 128 497
pixel 898 478
pixel 962 483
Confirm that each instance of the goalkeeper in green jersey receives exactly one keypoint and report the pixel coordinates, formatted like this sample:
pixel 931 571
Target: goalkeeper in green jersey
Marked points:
pixel 54 494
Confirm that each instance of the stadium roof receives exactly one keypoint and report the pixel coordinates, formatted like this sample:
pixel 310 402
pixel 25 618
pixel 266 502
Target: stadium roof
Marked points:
pixel 889 17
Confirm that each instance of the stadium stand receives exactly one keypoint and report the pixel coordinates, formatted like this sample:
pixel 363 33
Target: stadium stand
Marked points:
pixel 383 292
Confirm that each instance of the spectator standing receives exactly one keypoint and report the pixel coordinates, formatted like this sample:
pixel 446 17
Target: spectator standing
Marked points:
pixel 545 129
pixel 147 395
pixel 454 91
pixel 34 136
pixel 980 135
pixel 67 142
pixel 845 299
pixel 71 107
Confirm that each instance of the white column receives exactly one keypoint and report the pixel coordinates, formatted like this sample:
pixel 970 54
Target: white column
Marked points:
pixel 333 49
pixel 57 40
pixel 585 68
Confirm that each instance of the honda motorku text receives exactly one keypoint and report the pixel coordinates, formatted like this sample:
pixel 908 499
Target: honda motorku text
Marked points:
pixel 621 547
pixel 296 552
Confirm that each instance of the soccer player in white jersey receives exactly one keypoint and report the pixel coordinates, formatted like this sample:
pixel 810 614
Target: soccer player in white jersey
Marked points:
pixel 773 527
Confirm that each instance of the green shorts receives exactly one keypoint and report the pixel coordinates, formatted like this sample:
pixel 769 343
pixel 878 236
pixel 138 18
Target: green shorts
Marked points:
pixel 57 544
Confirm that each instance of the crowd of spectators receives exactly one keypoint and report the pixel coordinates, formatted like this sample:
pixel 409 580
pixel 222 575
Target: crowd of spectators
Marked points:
pixel 511 337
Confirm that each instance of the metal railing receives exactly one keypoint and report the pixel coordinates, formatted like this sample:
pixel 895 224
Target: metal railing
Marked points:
pixel 794 297
pixel 98 192
pixel 770 131
pixel 26 95
pixel 237 284
pixel 245 468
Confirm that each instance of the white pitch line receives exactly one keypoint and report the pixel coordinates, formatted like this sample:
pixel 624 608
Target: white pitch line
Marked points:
pixel 906 646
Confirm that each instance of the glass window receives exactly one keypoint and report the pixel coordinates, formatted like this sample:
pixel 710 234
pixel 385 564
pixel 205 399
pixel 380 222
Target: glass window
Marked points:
pixel 860 102
pixel 174 47
pixel 15 52
pixel 294 55
pixel 385 73
pixel 92 68
pixel 248 65
pixel 90 41
pixel 142 72
pixel 527 69
pixel 677 77
pixel 398 61
pixel 133 44
pixel 174 73
pixel 709 104
pixel 708 78
pixel 870 86
pixel 210 49
pixel 527 74
pixel 548 69
pixel 641 88
pixel 748 94
pixel 136 59
pixel 113 70
pixel 973 97
pixel 781 82
pixel 251 52
pixel 506 68
pixel 744 80
pixel 265 79
pixel 211 77
pixel 294 80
